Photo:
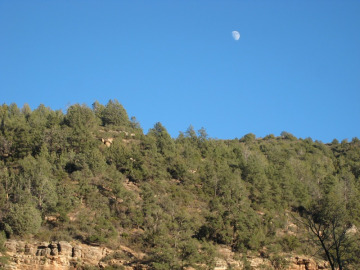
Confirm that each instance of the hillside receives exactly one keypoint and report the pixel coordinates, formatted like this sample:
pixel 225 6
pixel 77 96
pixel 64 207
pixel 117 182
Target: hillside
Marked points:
pixel 92 176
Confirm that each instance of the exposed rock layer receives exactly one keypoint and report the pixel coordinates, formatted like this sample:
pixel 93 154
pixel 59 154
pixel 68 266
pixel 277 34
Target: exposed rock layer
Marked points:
pixel 59 255
pixel 66 256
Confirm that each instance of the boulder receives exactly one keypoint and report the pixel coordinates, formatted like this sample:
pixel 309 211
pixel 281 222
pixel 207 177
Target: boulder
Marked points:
pixel 65 248
pixel 30 250
pixel 92 254
pixel 47 251
pixel 77 251
pixel 10 245
pixel 54 249
pixel 299 263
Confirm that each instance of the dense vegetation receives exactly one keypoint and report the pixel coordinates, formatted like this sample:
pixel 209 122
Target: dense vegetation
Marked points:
pixel 174 199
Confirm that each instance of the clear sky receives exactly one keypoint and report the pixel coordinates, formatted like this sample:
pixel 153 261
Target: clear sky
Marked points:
pixel 295 68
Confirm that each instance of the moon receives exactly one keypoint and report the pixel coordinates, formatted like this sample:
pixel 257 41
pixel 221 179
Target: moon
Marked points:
pixel 235 35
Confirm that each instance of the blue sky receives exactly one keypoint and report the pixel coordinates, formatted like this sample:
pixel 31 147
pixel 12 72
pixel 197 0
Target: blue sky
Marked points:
pixel 296 67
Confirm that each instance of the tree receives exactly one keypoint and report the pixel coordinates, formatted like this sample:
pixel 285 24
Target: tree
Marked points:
pixel 134 123
pixel 15 130
pixel 164 143
pixel 98 109
pixel 287 135
pixel 82 122
pixel 190 133
pixel 114 114
pixel 38 181
pixel 81 118
pixel 26 110
pixel 22 220
pixel 250 137
pixel 328 222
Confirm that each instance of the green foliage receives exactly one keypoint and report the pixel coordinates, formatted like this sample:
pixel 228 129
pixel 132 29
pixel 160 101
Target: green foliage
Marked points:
pixel 163 141
pixel 290 243
pixel 250 137
pixel 279 262
pixel 81 118
pixel 82 123
pixel 2 241
pixel 178 199
pixel 4 261
pixel 287 136
pixel 328 223
pixel 22 220
pixel 113 114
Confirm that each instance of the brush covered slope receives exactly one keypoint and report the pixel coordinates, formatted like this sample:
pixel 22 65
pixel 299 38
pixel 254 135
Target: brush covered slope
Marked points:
pixel 91 175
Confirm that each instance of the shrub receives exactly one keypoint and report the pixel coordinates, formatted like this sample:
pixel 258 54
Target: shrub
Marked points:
pixel 22 220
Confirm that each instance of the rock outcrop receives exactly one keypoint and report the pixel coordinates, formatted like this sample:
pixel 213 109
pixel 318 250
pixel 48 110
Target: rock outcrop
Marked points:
pixel 229 260
pixel 59 256
pixel 107 141
pixel 63 255
pixel 298 263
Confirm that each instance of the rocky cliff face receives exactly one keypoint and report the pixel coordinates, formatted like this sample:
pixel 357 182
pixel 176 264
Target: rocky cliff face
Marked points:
pixel 67 256
pixel 306 264
pixel 62 256
pixel 287 262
